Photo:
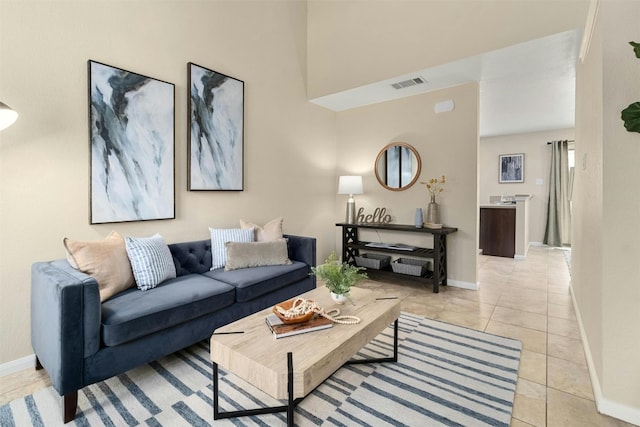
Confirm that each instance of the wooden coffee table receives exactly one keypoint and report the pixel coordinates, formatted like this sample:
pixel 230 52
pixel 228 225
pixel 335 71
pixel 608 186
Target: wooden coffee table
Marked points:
pixel 290 368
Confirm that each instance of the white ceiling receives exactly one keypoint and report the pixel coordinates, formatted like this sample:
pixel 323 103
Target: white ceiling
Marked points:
pixel 524 88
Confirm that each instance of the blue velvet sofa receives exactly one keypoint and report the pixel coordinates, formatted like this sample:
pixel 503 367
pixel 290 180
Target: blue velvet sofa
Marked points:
pixel 80 341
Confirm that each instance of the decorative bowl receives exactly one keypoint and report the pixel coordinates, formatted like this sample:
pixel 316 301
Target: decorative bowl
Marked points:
pixel 286 305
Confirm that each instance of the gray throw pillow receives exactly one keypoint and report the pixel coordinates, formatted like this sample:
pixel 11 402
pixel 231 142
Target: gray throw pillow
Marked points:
pixel 256 254
pixel 220 236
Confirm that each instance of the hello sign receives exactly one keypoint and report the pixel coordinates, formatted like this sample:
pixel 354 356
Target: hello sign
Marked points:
pixel 379 216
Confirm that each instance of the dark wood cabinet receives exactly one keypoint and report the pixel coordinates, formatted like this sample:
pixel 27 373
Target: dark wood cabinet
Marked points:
pixel 351 246
pixel 498 231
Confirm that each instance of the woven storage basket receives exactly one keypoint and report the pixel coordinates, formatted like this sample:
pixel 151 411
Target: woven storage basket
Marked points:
pixel 410 266
pixel 375 261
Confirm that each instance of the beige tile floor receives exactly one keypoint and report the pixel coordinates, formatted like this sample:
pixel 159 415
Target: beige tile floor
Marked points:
pixel 524 299
pixel 527 300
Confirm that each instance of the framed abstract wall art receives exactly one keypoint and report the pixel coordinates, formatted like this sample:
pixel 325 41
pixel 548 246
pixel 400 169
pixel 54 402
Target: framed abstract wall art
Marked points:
pixel 132 143
pixel 216 131
pixel 511 168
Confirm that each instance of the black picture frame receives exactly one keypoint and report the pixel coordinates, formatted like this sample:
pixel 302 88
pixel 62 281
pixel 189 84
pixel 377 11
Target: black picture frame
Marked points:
pixel 215 138
pixel 132 146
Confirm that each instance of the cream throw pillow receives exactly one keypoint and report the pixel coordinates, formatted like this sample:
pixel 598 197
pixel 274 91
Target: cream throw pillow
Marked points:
pixel 256 254
pixel 105 260
pixel 271 230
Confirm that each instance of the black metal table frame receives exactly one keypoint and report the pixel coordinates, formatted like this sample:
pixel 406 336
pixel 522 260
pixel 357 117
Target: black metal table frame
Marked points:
pixel 291 402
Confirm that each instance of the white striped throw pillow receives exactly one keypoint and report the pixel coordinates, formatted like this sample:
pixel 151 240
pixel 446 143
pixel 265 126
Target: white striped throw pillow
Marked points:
pixel 151 261
pixel 220 236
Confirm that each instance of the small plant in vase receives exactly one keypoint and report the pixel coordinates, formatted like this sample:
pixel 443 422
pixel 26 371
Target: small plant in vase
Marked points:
pixel 434 187
pixel 338 277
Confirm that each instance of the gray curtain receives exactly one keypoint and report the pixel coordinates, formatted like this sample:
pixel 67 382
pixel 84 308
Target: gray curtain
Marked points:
pixel 558 230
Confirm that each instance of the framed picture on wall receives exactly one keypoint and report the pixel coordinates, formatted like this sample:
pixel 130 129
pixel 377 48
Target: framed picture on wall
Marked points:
pixel 132 144
pixel 511 168
pixel 215 138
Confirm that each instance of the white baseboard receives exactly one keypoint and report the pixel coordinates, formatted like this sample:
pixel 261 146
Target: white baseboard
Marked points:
pixel 603 405
pixel 618 410
pixel 27 362
pixel 536 244
pixel 464 285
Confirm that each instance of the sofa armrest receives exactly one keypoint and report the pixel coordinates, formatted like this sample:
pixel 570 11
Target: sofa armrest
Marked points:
pixel 65 321
pixel 302 249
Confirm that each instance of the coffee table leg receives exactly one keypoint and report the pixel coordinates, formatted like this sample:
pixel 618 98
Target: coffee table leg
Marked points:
pixel 395 341
pixel 393 358
pixel 289 408
pixel 215 391
pixel 291 405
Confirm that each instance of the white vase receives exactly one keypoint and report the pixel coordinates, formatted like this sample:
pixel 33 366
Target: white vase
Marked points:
pixel 340 299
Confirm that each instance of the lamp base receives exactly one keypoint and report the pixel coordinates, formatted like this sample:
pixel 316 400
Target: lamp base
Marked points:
pixel 351 212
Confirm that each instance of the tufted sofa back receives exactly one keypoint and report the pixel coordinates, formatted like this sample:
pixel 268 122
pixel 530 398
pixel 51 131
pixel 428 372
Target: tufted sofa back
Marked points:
pixel 191 257
pixel 195 257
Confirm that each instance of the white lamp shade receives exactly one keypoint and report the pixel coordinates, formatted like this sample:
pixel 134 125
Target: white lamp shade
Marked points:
pixel 350 184
pixel 7 116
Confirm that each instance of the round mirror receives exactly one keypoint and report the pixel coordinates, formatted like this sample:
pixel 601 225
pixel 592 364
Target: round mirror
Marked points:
pixel 398 166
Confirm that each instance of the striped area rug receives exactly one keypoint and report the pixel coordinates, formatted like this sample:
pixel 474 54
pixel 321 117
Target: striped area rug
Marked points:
pixel 445 375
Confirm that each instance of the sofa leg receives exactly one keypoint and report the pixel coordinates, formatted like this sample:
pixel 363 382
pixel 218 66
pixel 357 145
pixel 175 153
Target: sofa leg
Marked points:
pixel 70 406
pixel 38 365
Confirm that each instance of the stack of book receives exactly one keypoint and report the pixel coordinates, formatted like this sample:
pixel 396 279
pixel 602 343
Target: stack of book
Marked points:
pixel 281 330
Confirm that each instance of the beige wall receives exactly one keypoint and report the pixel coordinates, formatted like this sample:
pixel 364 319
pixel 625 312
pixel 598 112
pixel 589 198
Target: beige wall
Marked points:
pixel 621 227
pixel 44 156
pixel 586 257
pixel 536 165
pixel 370 41
pixel 605 269
pixel 447 144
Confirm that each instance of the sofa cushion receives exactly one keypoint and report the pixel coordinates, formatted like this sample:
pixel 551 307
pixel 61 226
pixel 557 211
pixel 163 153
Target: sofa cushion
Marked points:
pixel 251 283
pixel 151 261
pixel 271 230
pixel 133 314
pixel 256 254
pixel 105 260
pixel 220 236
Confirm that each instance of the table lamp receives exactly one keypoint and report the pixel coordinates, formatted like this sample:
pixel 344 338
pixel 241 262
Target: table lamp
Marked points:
pixel 350 185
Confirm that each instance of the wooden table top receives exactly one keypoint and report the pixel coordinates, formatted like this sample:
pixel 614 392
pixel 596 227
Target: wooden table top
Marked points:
pixel 260 359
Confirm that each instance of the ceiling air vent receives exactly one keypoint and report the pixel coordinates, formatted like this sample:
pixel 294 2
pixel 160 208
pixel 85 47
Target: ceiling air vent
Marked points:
pixel 408 83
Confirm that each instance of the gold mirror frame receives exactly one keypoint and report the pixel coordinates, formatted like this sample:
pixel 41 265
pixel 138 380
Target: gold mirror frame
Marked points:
pixel 391 157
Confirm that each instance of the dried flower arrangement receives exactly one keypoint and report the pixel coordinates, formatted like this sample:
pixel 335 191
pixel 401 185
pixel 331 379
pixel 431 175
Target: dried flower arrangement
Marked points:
pixel 434 185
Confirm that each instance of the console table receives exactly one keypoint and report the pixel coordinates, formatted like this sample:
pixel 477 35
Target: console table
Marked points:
pixel 351 247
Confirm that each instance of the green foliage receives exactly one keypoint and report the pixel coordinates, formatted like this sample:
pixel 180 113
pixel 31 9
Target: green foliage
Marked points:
pixel 338 277
pixel 636 48
pixel 631 115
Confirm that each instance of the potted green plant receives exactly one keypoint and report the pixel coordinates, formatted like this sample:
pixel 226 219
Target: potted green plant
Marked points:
pixel 338 277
